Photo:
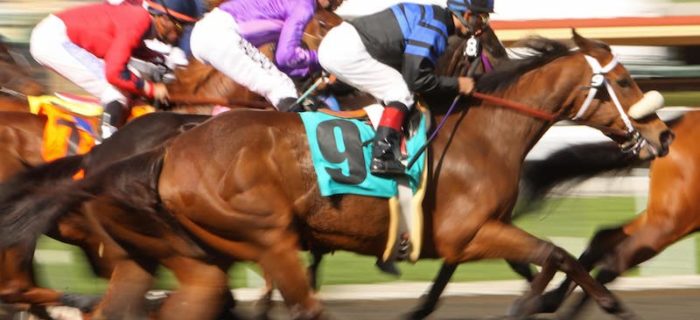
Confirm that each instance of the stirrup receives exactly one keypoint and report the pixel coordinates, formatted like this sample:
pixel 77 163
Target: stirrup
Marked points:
pixel 107 131
pixel 386 167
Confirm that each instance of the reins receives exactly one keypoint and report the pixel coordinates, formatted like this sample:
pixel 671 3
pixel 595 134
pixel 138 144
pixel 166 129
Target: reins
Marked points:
pixel 193 100
pixel 513 105
pixel 179 100
pixel 517 106
pixel 13 93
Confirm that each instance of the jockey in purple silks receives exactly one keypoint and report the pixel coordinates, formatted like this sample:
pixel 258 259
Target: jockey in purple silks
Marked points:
pixel 228 36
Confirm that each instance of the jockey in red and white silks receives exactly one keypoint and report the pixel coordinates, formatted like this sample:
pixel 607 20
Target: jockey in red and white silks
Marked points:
pixel 228 36
pixel 91 46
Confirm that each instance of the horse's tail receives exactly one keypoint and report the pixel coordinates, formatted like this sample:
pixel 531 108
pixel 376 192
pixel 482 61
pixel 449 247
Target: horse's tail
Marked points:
pixel 570 165
pixel 132 180
pixel 17 194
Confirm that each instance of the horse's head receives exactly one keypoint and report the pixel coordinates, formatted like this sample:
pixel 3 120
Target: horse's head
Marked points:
pixel 323 21
pixel 14 76
pixel 610 99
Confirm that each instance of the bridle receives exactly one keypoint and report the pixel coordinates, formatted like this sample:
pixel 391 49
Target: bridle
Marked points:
pixel 598 81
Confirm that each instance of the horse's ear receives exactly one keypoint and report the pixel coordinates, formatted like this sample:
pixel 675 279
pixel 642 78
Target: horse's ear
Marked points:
pixel 582 43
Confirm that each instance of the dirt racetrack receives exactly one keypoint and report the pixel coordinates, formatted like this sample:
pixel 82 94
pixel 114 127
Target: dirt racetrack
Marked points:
pixel 677 304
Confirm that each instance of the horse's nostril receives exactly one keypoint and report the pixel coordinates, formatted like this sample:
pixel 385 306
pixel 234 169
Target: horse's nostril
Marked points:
pixel 666 138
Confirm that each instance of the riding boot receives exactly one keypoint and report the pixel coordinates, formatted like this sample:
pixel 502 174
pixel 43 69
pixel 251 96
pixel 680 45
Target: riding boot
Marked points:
pixel 113 117
pixel 386 152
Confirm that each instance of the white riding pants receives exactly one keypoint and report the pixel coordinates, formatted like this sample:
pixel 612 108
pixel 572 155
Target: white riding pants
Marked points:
pixel 216 41
pixel 49 45
pixel 343 54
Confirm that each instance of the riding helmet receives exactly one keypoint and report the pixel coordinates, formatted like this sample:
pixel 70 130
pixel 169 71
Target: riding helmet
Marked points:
pixel 181 10
pixel 478 6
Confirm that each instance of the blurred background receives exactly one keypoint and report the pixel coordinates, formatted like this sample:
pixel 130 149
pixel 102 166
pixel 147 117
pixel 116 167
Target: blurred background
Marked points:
pixel 658 40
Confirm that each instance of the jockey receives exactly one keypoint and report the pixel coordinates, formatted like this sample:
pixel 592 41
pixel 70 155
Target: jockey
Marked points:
pixel 227 38
pixel 94 52
pixel 392 54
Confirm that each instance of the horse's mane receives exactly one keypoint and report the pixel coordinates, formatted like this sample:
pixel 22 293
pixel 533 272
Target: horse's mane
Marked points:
pixel 452 62
pixel 540 52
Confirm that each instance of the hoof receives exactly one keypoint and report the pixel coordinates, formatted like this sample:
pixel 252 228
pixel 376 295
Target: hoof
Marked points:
pixel 524 307
pixel 419 314
pixel 551 301
pixel 388 267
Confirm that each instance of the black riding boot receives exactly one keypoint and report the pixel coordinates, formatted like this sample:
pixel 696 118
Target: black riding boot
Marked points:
pixel 114 116
pixel 386 152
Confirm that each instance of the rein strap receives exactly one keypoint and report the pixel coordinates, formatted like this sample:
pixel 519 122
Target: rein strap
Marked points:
pixel 522 108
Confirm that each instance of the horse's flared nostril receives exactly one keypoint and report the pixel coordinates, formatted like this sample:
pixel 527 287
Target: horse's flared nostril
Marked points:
pixel 666 138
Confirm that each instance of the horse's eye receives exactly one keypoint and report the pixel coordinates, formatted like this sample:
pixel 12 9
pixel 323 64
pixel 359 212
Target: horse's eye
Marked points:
pixel 624 82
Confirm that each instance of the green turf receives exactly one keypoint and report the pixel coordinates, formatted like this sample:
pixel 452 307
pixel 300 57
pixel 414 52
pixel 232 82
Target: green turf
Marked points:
pixel 682 98
pixel 571 217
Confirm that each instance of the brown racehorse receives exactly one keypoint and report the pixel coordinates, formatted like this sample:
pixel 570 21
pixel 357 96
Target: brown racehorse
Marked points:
pixel 248 192
pixel 671 214
pixel 219 198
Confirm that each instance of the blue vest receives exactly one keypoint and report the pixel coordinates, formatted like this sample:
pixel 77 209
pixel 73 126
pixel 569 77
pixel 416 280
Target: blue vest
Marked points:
pixel 424 35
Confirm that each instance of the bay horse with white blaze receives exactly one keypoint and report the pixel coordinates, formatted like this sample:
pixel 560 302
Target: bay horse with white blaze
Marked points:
pixel 219 197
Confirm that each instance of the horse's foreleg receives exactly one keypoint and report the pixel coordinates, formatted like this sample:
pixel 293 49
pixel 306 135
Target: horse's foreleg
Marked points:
pixel 201 291
pixel 603 242
pixel 498 240
pixel 429 301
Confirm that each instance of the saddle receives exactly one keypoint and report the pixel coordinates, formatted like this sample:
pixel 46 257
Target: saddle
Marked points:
pixel 340 147
pixel 73 122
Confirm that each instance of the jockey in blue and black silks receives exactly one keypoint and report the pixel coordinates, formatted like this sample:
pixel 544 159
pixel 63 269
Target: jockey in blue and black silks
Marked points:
pixel 392 55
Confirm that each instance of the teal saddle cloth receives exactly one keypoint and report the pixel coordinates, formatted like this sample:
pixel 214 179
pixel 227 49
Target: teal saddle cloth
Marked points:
pixel 341 150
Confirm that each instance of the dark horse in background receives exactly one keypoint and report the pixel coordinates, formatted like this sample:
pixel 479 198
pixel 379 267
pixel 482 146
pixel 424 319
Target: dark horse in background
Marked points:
pixel 672 213
pixel 248 192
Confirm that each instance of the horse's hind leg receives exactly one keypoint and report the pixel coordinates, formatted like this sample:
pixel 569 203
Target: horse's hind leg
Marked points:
pixel 200 295
pixel 125 296
pixel 281 263
pixel 265 304
pixel 644 244
pixel 496 239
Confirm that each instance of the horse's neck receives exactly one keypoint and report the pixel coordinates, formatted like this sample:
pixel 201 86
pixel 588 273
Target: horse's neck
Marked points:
pixel 509 133
pixel 13 104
